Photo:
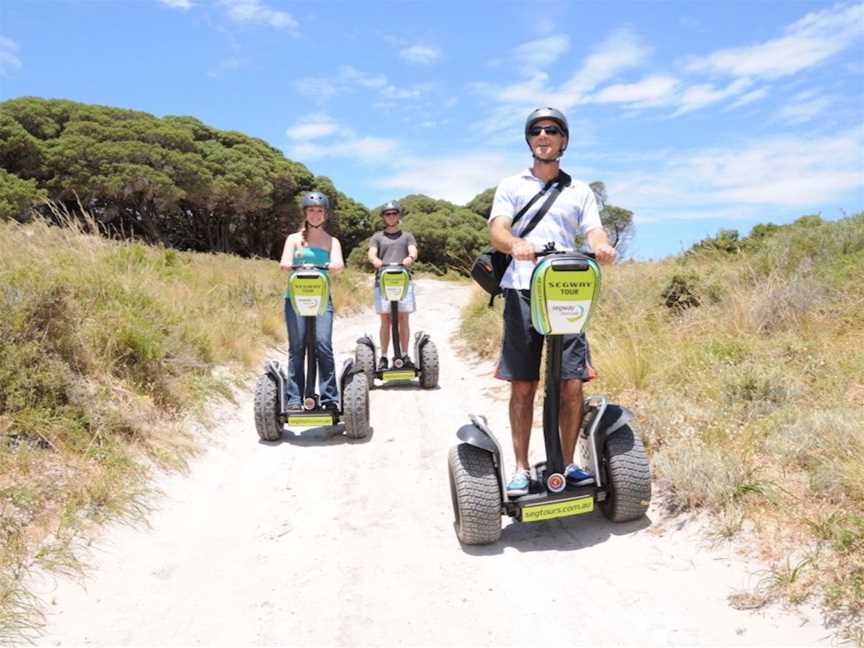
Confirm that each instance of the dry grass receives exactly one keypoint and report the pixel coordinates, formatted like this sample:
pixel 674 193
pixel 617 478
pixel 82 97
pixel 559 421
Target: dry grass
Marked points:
pixel 106 347
pixel 751 402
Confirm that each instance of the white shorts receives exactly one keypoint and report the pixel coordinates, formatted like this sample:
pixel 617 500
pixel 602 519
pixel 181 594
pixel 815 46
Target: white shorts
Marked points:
pixel 406 304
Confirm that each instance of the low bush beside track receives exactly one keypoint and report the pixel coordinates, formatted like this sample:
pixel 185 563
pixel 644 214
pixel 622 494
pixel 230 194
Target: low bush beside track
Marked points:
pixel 745 366
pixel 105 349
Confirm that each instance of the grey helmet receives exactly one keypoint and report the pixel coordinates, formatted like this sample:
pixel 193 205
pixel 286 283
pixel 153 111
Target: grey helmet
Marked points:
pixel 552 114
pixel 392 205
pixel 316 198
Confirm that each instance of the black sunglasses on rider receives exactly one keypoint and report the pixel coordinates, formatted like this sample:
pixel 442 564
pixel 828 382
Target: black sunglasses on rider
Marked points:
pixel 390 213
pixel 534 131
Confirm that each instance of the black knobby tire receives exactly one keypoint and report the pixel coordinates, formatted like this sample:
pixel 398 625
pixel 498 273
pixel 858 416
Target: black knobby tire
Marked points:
pixel 628 477
pixel 355 402
pixel 267 421
pixel 476 495
pixel 429 365
pixel 364 357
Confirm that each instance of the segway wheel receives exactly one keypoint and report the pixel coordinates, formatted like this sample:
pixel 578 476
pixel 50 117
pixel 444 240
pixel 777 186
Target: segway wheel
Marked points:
pixel 628 477
pixel 429 366
pixel 476 495
pixel 355 412
pixel 364 358
pixel 267 422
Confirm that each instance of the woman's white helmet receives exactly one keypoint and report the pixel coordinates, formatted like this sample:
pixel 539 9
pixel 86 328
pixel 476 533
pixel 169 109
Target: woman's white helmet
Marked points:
pixel 392 205
pixel 316 199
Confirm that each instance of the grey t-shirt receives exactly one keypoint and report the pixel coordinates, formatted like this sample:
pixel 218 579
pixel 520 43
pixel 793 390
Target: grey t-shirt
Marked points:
pixel 392 248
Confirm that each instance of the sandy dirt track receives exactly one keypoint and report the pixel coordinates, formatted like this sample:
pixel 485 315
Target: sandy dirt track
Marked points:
pixel 318 541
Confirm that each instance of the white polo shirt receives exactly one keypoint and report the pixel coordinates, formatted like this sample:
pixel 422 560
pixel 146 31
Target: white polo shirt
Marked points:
pixel 573 212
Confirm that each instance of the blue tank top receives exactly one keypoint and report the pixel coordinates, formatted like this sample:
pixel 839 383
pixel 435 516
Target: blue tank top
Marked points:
pixel 309 254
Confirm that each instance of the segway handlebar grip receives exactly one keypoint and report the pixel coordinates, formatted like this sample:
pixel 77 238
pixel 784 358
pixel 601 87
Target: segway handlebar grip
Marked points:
pixel 551 248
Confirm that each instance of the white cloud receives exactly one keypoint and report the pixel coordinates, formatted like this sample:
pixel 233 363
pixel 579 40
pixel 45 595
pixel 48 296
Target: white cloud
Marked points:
pixel 229 64
pixel 457 179
pixel 316 88
pixel 392 92
pixel 9 61
pixel 750 97
pixel 807 42
pixel 704 94
pixel 789 172
pixel 351 75
pixel 313 127
pixel 524 91
pixel 620 51
pixel 649 91
pixel 804 107
pixel 420 54
pixel 178 4
pixel 253 11
pixel 541 52
pixel 349 79
pixel 362 149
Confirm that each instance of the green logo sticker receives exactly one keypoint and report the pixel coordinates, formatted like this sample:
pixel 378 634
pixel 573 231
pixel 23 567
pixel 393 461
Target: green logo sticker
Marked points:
pixel 394 285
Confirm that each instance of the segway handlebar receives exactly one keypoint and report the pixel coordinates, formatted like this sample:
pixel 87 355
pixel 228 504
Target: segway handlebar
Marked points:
pixel 395 265
pixel 310 266
pixel 550 248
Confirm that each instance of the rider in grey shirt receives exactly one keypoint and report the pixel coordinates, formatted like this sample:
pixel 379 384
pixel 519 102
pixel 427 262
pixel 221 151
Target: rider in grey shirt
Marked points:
pixel 392 245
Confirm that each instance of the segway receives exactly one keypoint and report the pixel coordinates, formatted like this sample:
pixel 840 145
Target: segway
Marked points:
pixel 564 287
pixel 309 287
pixel 393 280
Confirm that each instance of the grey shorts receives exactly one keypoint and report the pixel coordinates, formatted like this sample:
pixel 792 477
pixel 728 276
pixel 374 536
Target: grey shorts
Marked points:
pixel 406 304
pixel 522 346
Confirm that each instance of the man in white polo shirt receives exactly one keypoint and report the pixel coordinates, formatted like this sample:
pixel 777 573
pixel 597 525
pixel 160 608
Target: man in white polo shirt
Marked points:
pixel 574 211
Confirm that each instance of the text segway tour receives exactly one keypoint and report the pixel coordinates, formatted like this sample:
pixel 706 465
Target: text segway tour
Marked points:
pixel 564 288
pixel 394 280
pixel 309 288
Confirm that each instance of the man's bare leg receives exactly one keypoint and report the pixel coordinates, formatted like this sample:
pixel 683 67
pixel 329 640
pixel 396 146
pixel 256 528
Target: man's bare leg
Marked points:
pixel 521 417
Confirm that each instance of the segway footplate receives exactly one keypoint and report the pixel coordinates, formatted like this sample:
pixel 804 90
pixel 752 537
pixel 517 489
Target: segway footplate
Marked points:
pixel 398 374
pixel 557 509
pixel 311 419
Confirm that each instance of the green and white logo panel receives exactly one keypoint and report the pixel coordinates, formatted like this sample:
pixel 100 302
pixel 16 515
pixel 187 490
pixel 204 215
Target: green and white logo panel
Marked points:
pixel 562 295
pixel 394 283
pixel 310 292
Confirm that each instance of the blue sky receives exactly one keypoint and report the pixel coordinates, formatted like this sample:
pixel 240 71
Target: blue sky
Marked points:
pixel 697 115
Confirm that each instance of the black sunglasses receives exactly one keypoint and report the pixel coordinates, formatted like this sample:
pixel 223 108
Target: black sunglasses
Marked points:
pixel 534 131
pixel 390 213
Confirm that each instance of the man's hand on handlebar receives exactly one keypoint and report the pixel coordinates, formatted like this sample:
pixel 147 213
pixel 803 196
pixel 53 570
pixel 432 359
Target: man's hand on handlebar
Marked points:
pixel 522 250
pixel 377 263
pixel 605 253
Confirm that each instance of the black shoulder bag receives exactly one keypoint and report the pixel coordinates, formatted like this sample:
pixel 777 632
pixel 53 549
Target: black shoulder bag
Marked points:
pixel 489 267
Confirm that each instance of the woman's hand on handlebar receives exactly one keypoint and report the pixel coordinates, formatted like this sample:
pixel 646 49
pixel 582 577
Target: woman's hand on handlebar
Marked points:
pixel 309 266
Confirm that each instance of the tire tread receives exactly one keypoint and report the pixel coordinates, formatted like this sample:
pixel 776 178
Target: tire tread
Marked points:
pixel 476 493
pixel 629 477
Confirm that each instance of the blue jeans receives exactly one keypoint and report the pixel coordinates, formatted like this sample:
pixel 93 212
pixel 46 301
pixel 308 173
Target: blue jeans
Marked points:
pixel 297 355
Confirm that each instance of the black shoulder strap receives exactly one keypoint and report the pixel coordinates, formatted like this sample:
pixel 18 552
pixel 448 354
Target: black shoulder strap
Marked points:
pixel 534 199
pixel 563 180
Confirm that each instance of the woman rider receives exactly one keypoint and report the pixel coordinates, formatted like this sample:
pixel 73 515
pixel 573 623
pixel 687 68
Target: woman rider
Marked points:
pixel 312 244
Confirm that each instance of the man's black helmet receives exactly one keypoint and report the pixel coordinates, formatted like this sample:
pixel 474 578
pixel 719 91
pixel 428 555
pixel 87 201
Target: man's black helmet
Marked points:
pixel 392 205
pixel 316 198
